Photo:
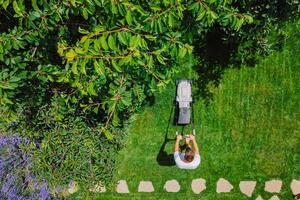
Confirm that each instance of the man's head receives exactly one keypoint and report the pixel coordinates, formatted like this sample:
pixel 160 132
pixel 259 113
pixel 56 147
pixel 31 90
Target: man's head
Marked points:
pixel 189 154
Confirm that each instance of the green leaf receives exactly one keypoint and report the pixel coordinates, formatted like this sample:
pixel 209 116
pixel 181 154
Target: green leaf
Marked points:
pixel 213 15
pixel 85 13
pixel 34 5
pixel 1 49
pixel 122 37
pixel 134 41
pixel 74 68
pixel 170 20
pixel 115 119
pixel 108 134
pixel 99 28
pixel 71 55
pixel 126 60
pixel 114 9
pixel 79 51
pixel 182 52
pixel 86 44
pixel 99 67
pixel 97 45
pixel 201 14
pixel 5 4
pixel 82 67
pixel 73 2
pixel 91 89
pixel 103 42
pixel 128 18
pixel 83 31
pixel 160 59
pixel 83 39
pixel 112 43
pixel 150 37
pixel 116 67
pixel 16 8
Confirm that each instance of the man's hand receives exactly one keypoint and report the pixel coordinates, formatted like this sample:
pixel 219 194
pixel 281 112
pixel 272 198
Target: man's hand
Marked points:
pixel 179 137
pixel 192 137
pixel 196 149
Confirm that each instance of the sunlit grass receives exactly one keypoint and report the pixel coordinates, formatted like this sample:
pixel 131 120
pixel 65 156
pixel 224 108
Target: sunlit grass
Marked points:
pixel 249 131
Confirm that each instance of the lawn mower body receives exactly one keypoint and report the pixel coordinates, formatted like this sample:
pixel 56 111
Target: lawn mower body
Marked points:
pixel 184 101
pixel 184 106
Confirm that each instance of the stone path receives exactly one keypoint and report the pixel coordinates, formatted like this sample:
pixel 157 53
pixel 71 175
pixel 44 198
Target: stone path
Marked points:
pixel 122 187
pixel 146 186
pixel 295 186
pixel 273 186
pixel 172 186
pixel 198 185
pixel 247 187
pixel 275 197
pixel 223 186
pixel 98 188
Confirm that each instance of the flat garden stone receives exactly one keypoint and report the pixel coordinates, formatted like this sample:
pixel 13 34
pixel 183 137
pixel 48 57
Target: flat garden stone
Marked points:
pixel 273 186
pixel 122 187
pixel 198 185
pixel 295 186
pixel 259 198
pixel 98 188
pixel 223 186
pixel 247 187
pixel 172 186
pixel 146 186
pixel 275 197
pixel 72 187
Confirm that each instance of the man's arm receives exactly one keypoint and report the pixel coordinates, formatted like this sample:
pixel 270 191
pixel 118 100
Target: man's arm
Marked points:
pixel 178 138
pixel 196 149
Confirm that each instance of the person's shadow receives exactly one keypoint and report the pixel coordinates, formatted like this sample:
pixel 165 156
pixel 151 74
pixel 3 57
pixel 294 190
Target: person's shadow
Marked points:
pixel 164 158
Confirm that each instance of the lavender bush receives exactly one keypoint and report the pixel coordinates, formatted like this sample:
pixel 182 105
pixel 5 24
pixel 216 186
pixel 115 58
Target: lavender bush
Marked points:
pixel 16 179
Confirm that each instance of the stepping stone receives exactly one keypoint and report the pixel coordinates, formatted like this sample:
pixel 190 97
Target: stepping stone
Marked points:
pixel 295 186
pixel 223 186
pixel 247 187
pixel 259 198
pixel 198 185
pixel 146 186
pixel 172 186
pixel 72 187
pixel 275 197
pixel 122 187
pixel 98 188
pixel 273 186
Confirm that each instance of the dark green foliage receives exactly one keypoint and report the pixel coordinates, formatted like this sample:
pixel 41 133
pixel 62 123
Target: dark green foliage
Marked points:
pixel 73 71
pixel 73 151
pixel 114 57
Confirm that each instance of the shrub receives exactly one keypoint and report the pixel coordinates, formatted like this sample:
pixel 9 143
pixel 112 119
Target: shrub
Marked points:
pixel 16 178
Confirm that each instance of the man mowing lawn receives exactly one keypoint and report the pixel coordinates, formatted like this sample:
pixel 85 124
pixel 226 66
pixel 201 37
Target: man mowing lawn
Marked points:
pixel 190 159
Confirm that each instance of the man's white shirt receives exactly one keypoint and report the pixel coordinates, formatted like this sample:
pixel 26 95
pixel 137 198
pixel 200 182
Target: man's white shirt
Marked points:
pixel 179 157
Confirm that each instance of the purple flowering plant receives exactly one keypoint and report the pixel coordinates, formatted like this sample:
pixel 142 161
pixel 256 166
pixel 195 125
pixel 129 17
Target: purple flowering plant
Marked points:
pixel 17 182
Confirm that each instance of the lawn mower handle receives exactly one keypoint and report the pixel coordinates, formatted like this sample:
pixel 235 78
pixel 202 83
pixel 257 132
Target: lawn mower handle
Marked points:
pixel 186 136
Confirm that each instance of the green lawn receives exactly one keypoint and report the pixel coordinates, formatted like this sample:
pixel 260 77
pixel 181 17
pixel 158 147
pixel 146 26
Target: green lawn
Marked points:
pixel 249 131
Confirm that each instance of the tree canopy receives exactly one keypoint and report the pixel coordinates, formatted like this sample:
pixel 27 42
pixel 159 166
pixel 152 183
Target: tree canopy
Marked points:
pixel 101 56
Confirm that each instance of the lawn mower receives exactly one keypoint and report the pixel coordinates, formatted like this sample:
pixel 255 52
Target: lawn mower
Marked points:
pixel 184 106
